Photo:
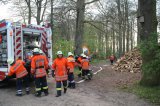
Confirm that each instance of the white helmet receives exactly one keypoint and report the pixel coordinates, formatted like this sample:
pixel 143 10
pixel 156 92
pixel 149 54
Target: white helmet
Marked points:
pixel 59 52
pixel 70 54
pixel 10 61
pixel 40 51
pixel 36 50
pixel 84 56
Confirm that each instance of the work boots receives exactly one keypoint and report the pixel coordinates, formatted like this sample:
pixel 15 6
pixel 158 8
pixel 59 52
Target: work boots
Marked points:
pixel 38 94
pixel 46 92
pixel 65 90
pixel 27 90
pixel 19 93
pixel 69 85
pixel 73 85
pixel 58 93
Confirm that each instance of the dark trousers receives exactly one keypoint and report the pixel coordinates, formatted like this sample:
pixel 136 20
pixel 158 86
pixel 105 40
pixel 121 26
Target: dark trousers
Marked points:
pixel 111 62
pixel 80 71
pixel 19 82
pixel 41 85
pixel 71 80
pixel 85 72
pixel 59 86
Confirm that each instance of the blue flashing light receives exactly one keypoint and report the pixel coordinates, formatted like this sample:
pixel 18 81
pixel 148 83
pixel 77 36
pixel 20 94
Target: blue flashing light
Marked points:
pixel 8 24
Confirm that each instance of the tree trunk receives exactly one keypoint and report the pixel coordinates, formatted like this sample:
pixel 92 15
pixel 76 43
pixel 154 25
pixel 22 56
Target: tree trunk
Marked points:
pixel 29 14
pixel 51 19
pixel 124 27
pixel 147 11
pixel 79 26
pixel 28 2
pixel 131 35
pixel 120 27
pixel 128 27
pixel 113 37
pixel 38 18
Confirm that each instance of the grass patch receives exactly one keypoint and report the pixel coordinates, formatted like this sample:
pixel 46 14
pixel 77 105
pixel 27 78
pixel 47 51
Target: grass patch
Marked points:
pixel 151 94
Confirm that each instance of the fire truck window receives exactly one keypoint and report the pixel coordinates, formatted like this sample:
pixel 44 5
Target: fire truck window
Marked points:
pixel 3 49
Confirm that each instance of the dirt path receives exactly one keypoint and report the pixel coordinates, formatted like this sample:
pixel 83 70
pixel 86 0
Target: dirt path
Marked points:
pixel 101 91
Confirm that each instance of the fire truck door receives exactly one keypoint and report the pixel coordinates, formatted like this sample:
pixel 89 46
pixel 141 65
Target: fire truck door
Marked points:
pixel 10 43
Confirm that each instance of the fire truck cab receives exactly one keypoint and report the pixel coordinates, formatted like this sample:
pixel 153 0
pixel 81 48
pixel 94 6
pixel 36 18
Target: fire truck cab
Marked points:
pixel 18 41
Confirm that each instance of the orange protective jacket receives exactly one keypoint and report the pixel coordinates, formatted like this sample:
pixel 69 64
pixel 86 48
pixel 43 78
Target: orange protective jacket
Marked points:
pixel 21 61
pixel 71 64
pixel 18 69
pixel 85 64
pixel 39 64
pixel 60 67
pixel 79 61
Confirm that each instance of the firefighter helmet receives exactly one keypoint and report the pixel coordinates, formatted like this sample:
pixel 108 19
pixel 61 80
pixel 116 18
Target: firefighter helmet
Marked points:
pixel 36 50
pixel 10 61
pixel 59 53
pixel 40 51
pixel 84 56
pixel 70 54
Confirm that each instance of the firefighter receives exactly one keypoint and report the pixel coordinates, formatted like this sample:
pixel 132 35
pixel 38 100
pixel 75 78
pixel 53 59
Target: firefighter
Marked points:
pixel 112 59
pixel 71 64
pixel 41 53
pixel 39 65
pixel 85 66
pixel 21 75
pixel 79 60
pixel 60 70
pixel 28 64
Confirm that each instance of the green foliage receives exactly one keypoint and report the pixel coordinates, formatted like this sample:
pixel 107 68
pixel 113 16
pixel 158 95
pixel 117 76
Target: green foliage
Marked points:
pixel 151 62
pixel 150 93
pixel 63 45
pixel 90 38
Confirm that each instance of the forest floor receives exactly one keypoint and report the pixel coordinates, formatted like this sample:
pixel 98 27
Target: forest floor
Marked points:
pixel 103 90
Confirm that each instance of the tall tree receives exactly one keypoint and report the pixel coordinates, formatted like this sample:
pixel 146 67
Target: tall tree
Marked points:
pixel 80 8
pixel 41 8
pixel 79 26
pixel 148 21
pixel 120 26
pixel 147 18
pixel 28 2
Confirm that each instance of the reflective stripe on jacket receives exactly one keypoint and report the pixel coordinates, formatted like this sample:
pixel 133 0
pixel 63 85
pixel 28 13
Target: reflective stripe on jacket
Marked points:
pixel 60 67
pixel 19 69
pixel 85 64
pixel 71 64
pixel 39 65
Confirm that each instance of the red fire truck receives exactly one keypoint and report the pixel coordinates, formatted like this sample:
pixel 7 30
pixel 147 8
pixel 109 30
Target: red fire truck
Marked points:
pixel 18 41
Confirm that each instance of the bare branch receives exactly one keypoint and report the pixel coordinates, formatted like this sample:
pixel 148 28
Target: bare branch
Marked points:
pixel 91 2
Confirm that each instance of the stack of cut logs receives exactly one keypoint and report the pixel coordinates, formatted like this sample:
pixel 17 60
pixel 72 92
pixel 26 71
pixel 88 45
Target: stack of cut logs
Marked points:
pixel 130 62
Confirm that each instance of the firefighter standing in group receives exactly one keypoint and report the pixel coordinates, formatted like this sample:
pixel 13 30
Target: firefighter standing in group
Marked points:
pixel 41 52
pixel 60 72
pixel 85 66
pixel 21 75
pixel 39 65
pixel 71 65
pixel 79 60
